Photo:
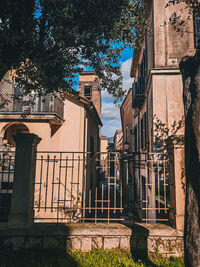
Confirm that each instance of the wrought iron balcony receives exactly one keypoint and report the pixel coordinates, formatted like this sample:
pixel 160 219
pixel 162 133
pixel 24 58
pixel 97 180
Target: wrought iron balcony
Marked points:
pixel 138 89
pixel 31 104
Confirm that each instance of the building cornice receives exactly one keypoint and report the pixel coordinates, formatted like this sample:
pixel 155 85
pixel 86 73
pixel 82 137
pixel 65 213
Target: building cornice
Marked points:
pixel 164 71
pixel 161 71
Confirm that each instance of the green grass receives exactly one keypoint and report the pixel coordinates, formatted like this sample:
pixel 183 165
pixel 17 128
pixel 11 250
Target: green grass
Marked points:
pixel 95 258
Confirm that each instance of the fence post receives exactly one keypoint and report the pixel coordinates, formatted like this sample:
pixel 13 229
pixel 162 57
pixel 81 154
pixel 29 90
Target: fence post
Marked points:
pixel 21 214
pixel 176 181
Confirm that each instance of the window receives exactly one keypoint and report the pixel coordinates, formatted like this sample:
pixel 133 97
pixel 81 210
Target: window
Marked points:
pixel 196 27
pixel 88 92
pixel 142 73
pixel 126 135
pixel 91 181
pixel 142 133
pixel 18 93
pixel 143 130
pixel 135 138
pixel 92 146
pixel 144 192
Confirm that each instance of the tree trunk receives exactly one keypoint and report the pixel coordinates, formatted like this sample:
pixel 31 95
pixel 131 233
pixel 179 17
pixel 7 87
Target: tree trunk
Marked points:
pixel 190 69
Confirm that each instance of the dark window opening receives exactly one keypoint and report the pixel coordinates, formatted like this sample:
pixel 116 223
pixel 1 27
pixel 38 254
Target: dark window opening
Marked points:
pixel 144 188
pixel 91 181
pixel 92 146
pixel 196 27
pixel 88 92
pixel 142 134
pixel 143 130
pixel 135 139
pixel 6 185
pixel 126 135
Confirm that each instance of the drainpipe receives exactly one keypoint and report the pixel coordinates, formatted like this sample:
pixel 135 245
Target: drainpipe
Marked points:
pixel 147 122
pixel 84 160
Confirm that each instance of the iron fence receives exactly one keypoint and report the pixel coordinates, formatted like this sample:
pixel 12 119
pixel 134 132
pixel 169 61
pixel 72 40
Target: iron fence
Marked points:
pixel 93 187
pixel 74 186
pixel 7 162
pixel 150 175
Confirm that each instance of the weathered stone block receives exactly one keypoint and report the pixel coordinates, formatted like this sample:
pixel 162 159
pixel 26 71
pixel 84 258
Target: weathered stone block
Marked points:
pixel 111 242
pixel 97 242
pixel 165 246
pixel 68 245
pixel 86 244
pixel 15 243
pixel 51 242
pixel 33 242
pixel 76 243
pixel 125 243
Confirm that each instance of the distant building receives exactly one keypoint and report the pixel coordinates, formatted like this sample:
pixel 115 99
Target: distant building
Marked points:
pixel 126 111
pixel 118 140
pixel 111 146
pixel 89 88
pixel 104 146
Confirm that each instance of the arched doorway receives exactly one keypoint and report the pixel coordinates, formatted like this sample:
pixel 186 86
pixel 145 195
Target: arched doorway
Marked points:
pixel 7 162
pixel 12 129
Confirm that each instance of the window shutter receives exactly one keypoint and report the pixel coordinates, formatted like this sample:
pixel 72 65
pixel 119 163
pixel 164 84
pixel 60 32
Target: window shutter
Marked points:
pixel 141 133
pixel 145 130
pixel 196 27
pixel 135 138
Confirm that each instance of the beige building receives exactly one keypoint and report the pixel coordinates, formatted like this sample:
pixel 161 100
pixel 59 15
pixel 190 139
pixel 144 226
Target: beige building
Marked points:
pixel 69 127
pixel 157 100
pixel 157 89
pixel 126 113
pixel 66 122
pixel 118 140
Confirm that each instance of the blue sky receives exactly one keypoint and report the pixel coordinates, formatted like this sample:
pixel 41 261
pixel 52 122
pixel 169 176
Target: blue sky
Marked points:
pixel 110 113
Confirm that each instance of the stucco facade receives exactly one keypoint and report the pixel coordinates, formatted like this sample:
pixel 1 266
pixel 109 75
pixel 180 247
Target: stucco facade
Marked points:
pixel 158 82
pixel 126 112
pixel 158 110
pixel 67 123
pixel 70 131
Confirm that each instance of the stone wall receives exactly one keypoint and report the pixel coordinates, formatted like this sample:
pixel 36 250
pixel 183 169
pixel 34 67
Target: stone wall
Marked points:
pixel 140 239
pixel 156 239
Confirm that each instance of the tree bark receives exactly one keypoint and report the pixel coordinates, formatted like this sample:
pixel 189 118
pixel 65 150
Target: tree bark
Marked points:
pixel 190 69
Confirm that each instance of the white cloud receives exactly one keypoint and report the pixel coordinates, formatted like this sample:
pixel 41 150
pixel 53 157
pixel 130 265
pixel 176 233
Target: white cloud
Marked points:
pixel 111 114
pixel 127 80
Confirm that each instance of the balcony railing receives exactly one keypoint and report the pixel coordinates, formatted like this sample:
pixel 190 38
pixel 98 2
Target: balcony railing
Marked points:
pixel 31 104
pixel 138 90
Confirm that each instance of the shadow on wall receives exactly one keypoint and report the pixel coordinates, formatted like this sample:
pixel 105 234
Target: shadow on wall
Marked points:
pixel 156 240
pixel 138 241
pixel 40 245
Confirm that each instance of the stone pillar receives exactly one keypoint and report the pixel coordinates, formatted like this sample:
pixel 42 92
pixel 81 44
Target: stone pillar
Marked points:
pixel 21 214
pixel 176 181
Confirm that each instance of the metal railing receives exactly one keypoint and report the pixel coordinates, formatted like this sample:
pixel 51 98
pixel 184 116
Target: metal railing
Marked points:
pixel 138 89
pixel 74 186
pixel 93 187
pixel 7 162
pixel 31 104
pixel 150 175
